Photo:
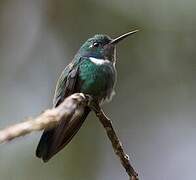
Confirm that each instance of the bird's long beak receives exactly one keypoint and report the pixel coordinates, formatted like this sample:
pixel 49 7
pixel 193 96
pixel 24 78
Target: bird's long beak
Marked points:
pixel 120 38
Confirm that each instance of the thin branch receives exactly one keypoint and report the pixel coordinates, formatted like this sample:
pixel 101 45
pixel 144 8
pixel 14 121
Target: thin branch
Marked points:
pixel 116 144
pixel 73 105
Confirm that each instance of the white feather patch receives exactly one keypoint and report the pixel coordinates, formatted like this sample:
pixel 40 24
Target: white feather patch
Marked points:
pixel 98 61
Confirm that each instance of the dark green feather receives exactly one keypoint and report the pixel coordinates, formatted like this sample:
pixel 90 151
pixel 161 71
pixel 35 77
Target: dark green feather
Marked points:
pixel 55 139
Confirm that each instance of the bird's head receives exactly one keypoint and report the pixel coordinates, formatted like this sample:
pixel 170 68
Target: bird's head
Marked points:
pixel 102 46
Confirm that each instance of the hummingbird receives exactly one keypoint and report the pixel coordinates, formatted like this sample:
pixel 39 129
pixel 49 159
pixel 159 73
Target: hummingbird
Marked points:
pixel 92 71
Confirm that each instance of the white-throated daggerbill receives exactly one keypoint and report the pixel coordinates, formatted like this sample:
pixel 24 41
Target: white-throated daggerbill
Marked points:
pixel 92 71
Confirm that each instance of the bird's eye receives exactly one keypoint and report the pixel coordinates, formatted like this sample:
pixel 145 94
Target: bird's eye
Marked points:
pixel 96 44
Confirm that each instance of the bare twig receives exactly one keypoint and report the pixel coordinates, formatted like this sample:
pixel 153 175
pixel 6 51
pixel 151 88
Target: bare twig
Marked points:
pixel 117 145
pixel 73 105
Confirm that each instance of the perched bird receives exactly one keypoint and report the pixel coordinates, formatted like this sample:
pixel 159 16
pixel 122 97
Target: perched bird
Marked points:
pixel 92 71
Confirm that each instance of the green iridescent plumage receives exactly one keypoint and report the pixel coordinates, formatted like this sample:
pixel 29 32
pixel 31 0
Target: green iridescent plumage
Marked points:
pixel 97 80
pixel 92 72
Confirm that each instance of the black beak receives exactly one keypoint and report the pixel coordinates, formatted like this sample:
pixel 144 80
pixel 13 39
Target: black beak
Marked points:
pixel 120 38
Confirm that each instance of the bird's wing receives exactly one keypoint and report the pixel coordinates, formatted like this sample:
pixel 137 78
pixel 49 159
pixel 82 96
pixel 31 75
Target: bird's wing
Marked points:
pixel 63 86
pixel 55 139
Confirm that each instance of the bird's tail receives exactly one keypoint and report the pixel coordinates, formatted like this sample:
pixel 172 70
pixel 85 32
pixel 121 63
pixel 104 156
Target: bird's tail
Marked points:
pixel 53 140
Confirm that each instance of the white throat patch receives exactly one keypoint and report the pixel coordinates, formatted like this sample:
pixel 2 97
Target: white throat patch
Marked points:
pixel 98 61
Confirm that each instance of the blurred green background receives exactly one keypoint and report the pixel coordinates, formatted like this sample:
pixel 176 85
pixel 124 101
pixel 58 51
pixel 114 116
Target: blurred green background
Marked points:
pixel 154 107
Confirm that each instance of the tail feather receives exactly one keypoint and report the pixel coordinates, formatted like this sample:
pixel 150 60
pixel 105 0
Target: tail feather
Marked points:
pixel 52 141
pixel 44 141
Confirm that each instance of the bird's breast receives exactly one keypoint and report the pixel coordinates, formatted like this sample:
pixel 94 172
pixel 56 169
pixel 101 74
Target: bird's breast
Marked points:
pixel 97 77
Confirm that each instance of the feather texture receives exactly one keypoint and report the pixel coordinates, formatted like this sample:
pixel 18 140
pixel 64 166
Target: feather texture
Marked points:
pixel 53 140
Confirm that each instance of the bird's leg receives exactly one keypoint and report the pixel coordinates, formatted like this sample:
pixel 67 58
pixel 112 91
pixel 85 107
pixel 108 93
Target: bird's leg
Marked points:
pixel 93 104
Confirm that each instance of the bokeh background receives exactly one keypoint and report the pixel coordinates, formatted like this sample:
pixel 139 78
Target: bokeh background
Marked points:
pixel 154 107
